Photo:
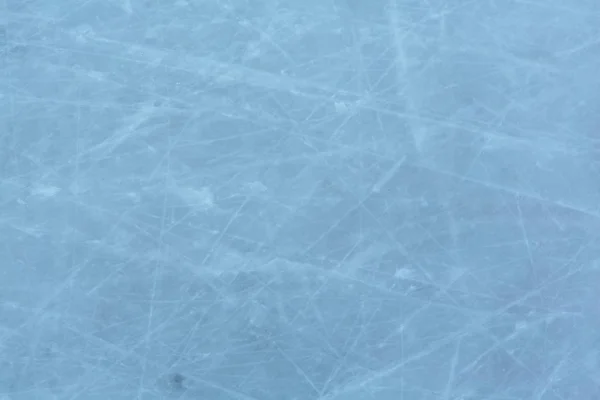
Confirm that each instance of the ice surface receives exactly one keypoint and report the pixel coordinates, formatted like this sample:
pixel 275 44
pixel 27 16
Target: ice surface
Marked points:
pixel 300 200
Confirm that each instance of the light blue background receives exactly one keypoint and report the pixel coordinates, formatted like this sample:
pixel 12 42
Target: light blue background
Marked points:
pixel 299 200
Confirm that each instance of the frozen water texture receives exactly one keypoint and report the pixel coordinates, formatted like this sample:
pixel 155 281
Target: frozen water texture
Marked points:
pixel 300 200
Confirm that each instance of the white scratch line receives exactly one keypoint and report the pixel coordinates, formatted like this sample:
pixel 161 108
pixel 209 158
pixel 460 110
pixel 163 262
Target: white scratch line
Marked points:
pixel 388 176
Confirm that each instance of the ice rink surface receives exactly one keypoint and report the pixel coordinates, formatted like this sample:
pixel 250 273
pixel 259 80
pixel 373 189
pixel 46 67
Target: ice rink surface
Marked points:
pixel 300 200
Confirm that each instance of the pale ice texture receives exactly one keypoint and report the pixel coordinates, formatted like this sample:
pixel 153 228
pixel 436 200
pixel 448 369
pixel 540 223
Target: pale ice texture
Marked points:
pixel 300 199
